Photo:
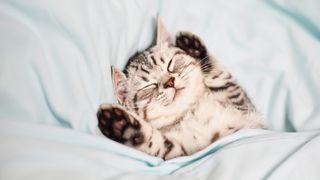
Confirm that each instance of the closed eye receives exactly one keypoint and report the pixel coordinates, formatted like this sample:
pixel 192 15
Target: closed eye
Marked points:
pixel 174 68
pixel 150 86
pixel 147 91
pixel 168 68
pixel 176 64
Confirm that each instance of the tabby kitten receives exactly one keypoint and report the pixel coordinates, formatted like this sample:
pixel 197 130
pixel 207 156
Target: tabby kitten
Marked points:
pixel 175 99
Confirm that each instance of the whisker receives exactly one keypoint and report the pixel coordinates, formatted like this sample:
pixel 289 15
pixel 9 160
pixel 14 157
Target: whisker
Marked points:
pixel 204 66
pixel 134 107
pixel 182 77
pixel 204 58
pixel 185 79
pixel 138 105
pixel 185 73
pixel 160 98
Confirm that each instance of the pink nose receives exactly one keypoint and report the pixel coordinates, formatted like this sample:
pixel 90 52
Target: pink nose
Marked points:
pixel 169 83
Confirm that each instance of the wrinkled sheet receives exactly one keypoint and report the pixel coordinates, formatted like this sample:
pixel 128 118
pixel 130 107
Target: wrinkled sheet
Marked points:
pixel 55 60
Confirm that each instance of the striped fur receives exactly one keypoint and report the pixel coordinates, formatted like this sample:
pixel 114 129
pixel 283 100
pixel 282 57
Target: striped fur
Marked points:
pixel 179 96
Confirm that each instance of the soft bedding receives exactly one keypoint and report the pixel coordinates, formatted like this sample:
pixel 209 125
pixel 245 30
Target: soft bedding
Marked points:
pixel 55 60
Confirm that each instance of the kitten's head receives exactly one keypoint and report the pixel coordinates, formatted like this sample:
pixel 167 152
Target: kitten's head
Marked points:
pixel 160 81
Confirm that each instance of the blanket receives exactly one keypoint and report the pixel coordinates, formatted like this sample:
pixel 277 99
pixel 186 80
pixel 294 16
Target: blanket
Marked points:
pixel 55 60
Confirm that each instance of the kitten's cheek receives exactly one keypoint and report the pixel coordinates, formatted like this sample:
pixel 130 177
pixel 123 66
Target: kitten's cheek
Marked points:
pixel 173 94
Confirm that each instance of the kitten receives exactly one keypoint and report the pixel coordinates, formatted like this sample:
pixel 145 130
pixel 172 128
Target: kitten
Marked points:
pixel 175 99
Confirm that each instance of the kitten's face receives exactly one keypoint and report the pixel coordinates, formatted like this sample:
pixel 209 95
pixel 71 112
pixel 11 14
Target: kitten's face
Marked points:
pixel 160 81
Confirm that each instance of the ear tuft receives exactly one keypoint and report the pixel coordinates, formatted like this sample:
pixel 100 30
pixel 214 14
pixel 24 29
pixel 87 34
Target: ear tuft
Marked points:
pixel 162 33
pixel 118 81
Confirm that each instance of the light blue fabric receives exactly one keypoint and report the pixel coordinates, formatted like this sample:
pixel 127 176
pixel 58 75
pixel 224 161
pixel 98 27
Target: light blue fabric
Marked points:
pixel 32 151
pixel 55 62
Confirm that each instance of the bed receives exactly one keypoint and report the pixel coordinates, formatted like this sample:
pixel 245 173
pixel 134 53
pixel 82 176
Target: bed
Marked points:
pixel 55 60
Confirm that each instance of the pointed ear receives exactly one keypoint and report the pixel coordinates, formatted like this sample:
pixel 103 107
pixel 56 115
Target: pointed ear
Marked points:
pixel 118 81
pixel 162 33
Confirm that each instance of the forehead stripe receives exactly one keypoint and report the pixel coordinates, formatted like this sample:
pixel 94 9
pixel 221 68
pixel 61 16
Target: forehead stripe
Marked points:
pixel 161 59
pixel 154 60
pixel 145 79
pixel 144 70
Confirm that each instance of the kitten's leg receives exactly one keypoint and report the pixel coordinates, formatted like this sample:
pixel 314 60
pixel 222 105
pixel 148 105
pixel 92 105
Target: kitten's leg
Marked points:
pixel 217 78
pixel 125 127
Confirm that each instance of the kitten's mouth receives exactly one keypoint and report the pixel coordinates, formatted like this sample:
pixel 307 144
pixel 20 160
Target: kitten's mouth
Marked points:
pixel 177 92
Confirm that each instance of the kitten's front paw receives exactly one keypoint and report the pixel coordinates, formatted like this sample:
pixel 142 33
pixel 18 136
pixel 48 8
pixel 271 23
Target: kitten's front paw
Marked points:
pixel 191 44
pixel 118 125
